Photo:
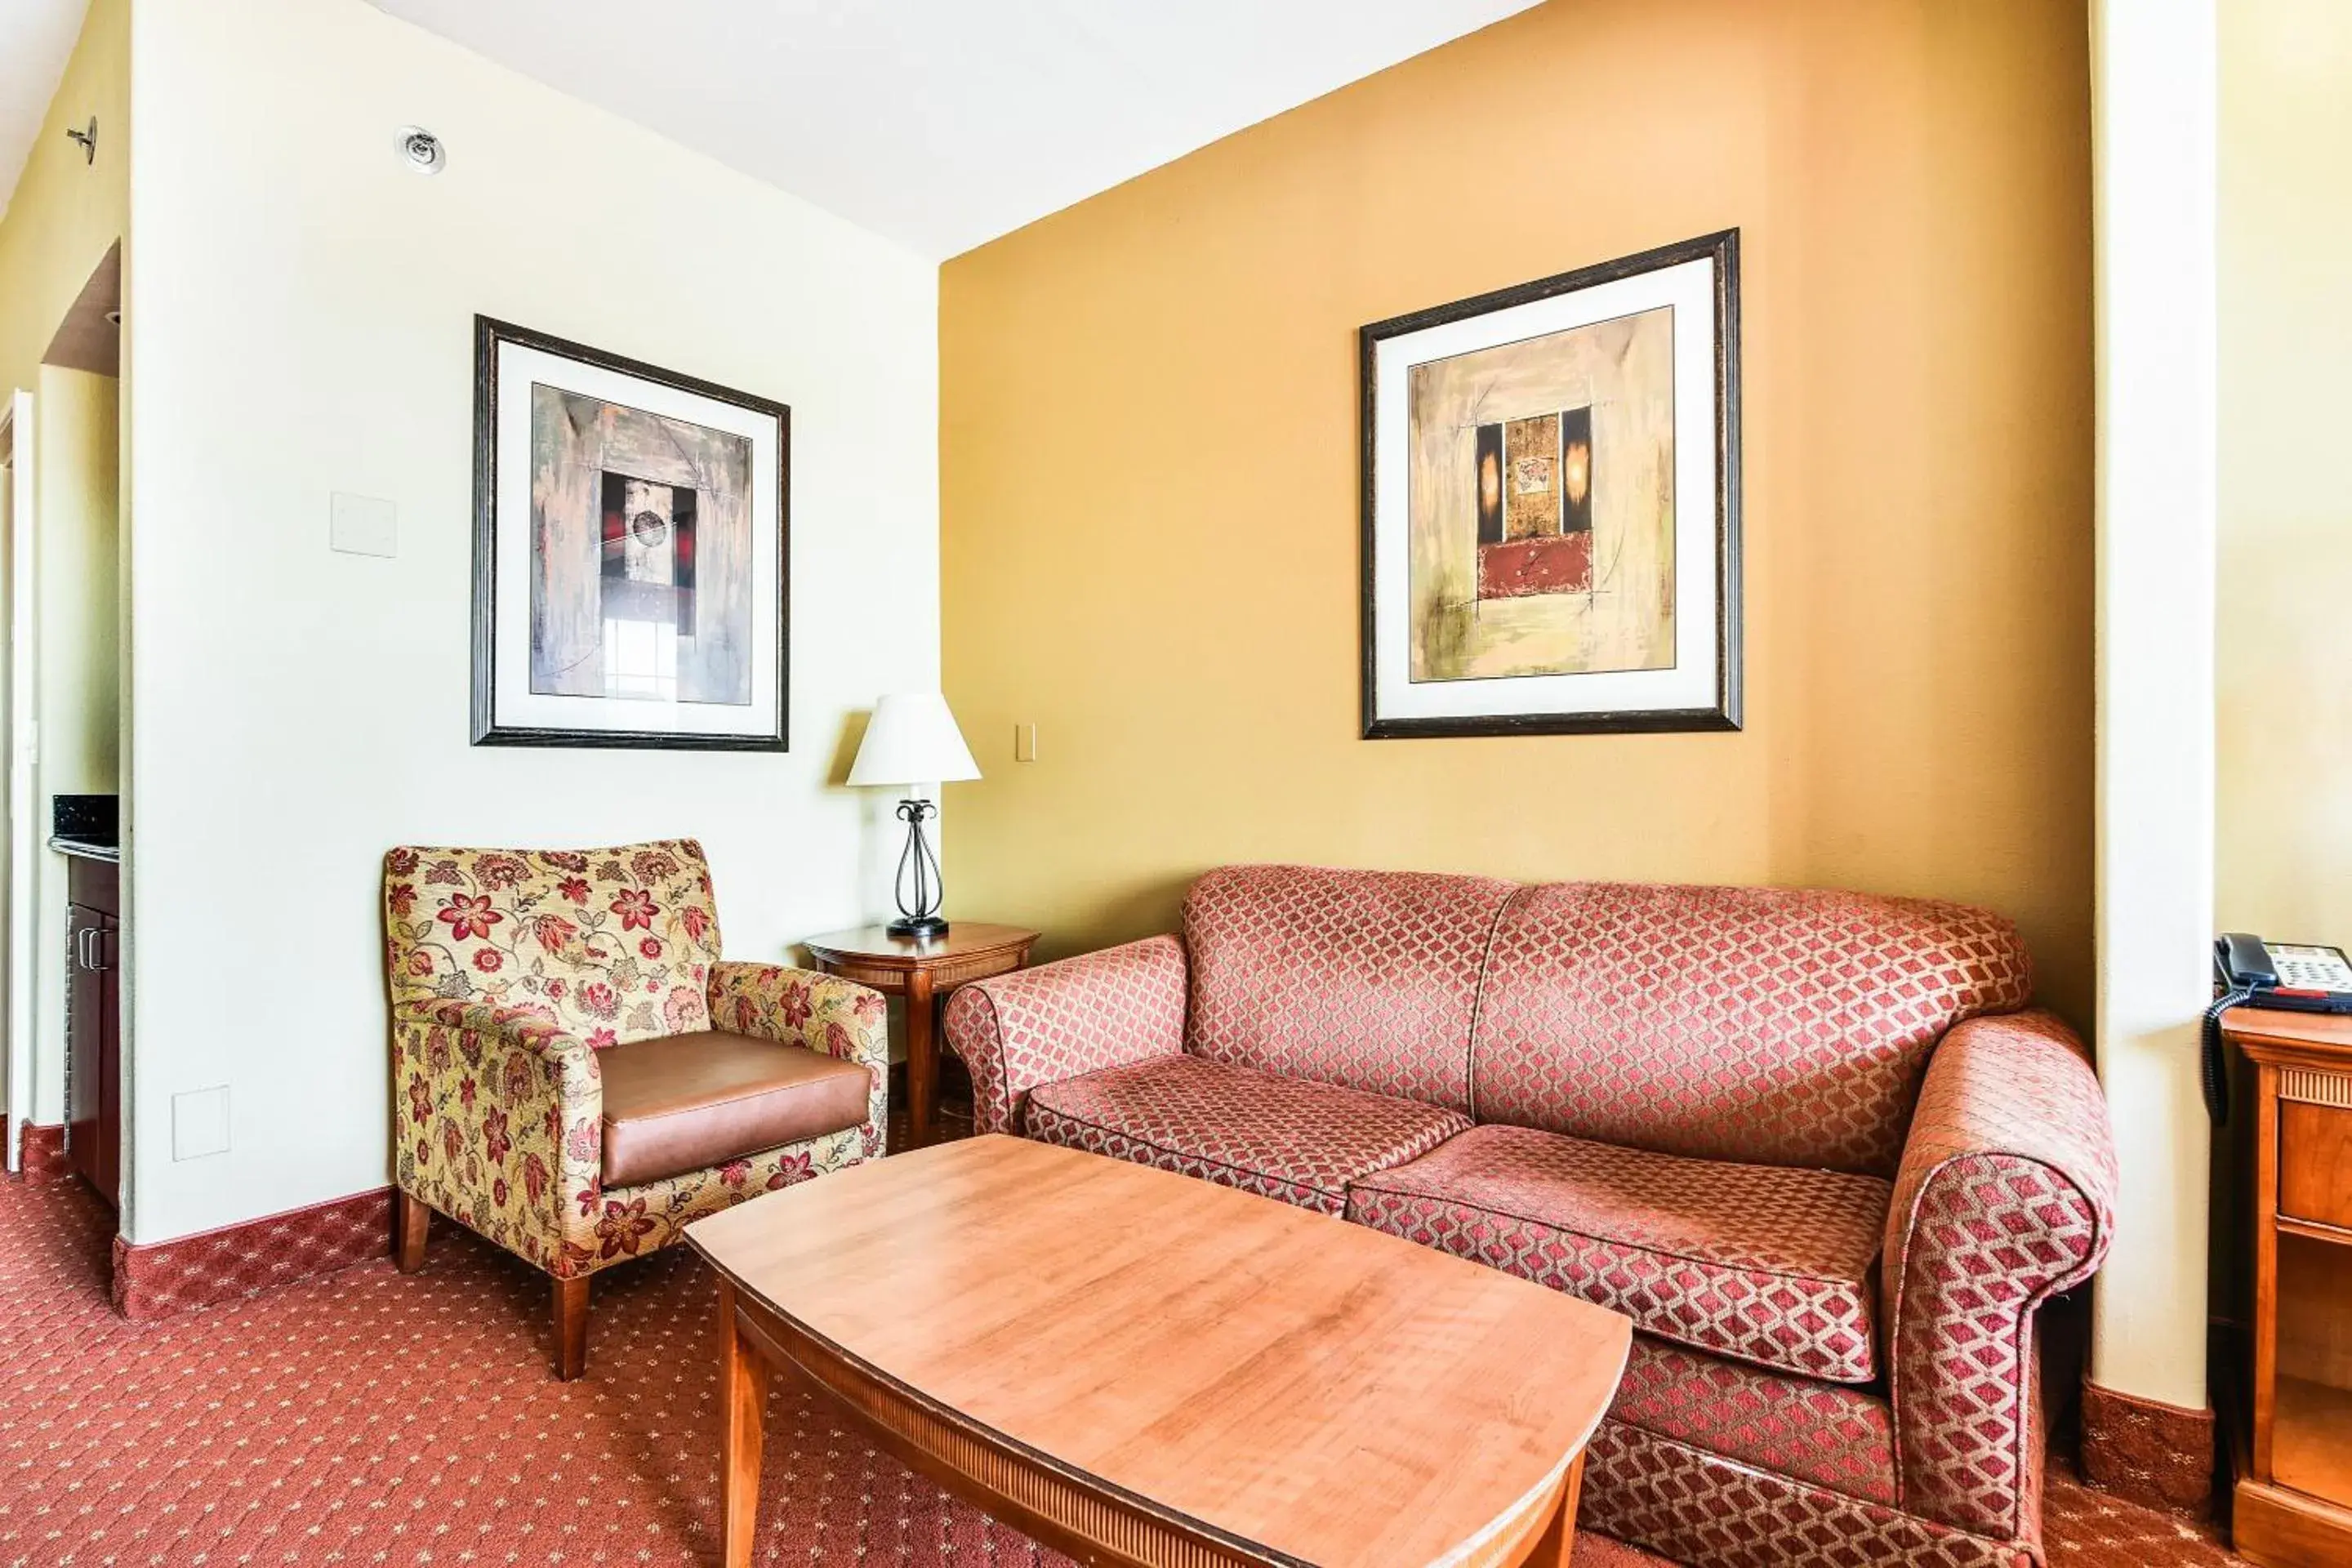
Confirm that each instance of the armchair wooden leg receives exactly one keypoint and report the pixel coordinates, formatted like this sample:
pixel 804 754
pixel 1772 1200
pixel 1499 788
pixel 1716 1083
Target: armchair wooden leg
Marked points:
pixel 570 1327
pixel 410 1220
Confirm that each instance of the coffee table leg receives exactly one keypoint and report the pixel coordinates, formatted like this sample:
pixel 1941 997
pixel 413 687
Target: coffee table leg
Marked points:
pixel 743 1402
pixel 1558 1540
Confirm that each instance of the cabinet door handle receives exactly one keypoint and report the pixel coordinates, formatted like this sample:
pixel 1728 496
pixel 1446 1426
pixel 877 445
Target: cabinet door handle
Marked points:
pixel 81 948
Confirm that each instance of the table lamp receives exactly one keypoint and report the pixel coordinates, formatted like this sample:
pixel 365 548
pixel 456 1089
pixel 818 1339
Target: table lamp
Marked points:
pixel 912 741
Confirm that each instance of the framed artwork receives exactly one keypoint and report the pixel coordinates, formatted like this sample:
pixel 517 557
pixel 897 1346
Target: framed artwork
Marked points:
pixel 631 552
pixel 1551 504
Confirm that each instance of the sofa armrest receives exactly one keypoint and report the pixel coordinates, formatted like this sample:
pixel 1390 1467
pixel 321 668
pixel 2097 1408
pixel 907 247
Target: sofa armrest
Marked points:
pixel 499 1113
pixel 2005 1197
pixel 830 1016
pixel 1060 1020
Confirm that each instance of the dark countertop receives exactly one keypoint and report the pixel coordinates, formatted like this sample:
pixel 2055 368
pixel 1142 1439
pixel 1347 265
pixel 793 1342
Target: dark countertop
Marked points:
pixel 87 825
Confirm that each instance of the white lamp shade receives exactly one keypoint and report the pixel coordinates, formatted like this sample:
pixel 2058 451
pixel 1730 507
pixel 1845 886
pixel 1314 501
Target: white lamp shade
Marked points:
pixel 912 739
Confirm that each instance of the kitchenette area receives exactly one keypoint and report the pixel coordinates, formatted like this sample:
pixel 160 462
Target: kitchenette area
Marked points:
pixel 84 830
pixel 67 734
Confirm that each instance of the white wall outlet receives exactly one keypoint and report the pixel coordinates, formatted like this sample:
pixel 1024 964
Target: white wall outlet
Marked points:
pixel 1025 743
pixel 200 1123
pixel 363 525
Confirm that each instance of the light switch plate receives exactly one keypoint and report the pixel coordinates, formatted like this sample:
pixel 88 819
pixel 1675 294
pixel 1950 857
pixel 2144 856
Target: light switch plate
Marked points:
pixel 200 1123
pixel 1025 743
pixel 363 525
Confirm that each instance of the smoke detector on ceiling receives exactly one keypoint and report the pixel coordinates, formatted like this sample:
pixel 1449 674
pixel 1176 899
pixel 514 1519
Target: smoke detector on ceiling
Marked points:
pixel 422 150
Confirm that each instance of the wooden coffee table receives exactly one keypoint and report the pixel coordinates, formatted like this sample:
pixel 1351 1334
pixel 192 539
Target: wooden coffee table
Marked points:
pixel 1137 1367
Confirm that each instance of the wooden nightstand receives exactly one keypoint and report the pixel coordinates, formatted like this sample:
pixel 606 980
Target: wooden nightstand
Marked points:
pixel 2293 1498
pixel 923 973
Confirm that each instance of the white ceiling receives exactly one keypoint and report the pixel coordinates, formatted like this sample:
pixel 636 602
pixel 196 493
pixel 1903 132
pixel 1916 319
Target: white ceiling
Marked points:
pixel 943 123
pixel 36 38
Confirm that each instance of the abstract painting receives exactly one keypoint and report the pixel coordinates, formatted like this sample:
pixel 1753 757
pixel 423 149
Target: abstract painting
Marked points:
pixel 629 556
pixel 1551 501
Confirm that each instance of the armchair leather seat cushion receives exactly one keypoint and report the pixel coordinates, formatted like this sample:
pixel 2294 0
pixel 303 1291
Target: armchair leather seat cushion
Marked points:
pixel 1773 1264
pixel 690 1102
pixel 1279 1137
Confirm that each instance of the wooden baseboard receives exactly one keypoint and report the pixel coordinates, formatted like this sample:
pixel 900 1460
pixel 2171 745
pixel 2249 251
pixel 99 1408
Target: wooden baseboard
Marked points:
pixel 2278 1527
pixel 2147 1452
pixel 156 1280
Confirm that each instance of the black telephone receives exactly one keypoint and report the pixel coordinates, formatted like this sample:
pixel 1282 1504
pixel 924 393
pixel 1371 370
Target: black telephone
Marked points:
pixel 2298 977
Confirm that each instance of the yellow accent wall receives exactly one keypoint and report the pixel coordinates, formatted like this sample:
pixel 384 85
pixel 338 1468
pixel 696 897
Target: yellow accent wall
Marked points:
pixel 65 212
pixel 2284 644
pixel 1149 462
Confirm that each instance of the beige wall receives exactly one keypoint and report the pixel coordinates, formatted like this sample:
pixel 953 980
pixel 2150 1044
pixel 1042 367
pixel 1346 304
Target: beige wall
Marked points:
pixel 1148 471
pixel 78 671
pixel 64 212
pixel 75 415
pixel 2283 721
pixel 61 218
pixel 299 711
pixel 2283 865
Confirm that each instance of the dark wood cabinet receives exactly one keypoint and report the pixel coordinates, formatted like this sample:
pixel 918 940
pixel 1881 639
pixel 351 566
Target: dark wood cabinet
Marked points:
pixel 2292 1505
pixel 93 1025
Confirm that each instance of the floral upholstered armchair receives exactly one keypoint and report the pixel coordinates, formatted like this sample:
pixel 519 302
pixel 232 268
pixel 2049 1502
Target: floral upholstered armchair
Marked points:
pixel 576 1073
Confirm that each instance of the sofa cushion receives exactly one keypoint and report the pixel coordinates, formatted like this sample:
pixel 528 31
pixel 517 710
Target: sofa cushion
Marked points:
pixel 1281 1138
pixel 690 1102
pixel 1365 979
pixel 1779 1025
pixel 1767 1263
pixel 1826 1432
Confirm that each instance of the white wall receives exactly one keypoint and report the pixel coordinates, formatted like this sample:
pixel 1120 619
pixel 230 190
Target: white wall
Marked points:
pixel 76 670
pixel 16 474
pixel 302 312
pixel 2152 134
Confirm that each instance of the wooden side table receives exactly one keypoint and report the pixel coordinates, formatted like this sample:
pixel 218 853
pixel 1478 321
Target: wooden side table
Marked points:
pixel 923 973
pixel 2293 1499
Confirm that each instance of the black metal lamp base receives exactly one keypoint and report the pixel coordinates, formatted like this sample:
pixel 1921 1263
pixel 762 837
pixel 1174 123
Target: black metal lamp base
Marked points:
pixel 922 929
pixel 918 915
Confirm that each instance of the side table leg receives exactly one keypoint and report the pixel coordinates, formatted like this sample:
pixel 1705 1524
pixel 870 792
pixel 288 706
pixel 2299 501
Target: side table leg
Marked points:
pixel 743 1404
pixel 922 1059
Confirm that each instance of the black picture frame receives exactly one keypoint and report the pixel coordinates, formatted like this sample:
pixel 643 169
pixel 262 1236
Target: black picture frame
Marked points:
pixel 488 335
pixel 1726 713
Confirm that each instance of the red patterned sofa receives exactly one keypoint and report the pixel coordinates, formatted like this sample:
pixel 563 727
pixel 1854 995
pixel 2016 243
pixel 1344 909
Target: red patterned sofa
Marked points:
pixel 1815 1144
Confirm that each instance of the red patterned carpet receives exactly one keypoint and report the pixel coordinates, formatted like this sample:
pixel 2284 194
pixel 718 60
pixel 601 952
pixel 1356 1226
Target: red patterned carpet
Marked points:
pixel 372 1417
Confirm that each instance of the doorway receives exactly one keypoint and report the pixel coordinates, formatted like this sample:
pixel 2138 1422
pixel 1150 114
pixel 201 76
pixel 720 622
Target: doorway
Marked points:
pixel 63 732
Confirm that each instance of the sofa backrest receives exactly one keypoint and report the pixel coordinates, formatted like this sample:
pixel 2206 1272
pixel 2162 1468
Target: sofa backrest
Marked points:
pixel 1766 1024
pixel 609 944
pixel 1366 979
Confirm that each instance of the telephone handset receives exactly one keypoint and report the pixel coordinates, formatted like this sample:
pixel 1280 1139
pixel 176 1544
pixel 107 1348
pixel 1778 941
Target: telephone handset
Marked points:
pixel 2298 977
